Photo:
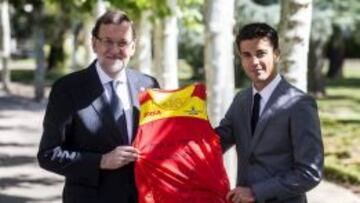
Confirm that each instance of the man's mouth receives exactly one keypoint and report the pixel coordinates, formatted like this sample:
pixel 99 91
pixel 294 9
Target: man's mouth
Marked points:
pixel 258 70
pixel 113 57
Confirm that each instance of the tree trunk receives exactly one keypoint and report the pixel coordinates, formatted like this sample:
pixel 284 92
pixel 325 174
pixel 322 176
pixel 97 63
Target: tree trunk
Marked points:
pixel 100 8
pixel 158 52
pixel 219 58
pixel 142 58
pixel 75 64
pixel 56 56
pixel 336 54
pixel 39 35
pixel 294 32
pixel 166 37
pixel 219 65
pixel 316 80
pixel 89 53
pixel 5 45
pixel 88 26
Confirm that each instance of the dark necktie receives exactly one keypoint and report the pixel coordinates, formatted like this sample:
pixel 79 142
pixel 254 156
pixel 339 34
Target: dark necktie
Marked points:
pixel 255 112
pixel 118 112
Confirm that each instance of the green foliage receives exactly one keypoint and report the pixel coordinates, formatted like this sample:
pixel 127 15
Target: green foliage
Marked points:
pixel 185 71
pixel 248 12
pixel 26 76
pixel 191 16
pixel 191 48
pixel 74 5
pixel 340 121
pixel 135 8
pixel 59 18
pixel 321 28
pixel 337 13
pixel 326 15
pixel 191 32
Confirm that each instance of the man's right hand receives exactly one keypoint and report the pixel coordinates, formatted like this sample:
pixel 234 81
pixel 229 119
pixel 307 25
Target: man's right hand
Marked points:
pixel 118 157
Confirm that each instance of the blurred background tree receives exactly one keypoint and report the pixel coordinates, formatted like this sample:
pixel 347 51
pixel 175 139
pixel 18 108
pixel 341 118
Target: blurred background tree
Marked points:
pixel 57 34
pixel 5 43
pixel 335 24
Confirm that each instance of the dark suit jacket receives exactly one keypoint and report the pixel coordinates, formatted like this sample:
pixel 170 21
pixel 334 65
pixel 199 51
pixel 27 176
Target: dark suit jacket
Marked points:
pixel 78 129
pixel 284 157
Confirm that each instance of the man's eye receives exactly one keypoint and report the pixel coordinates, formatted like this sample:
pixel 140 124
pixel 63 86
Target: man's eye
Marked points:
pixel 109 42
pixel 123 44
pixel 261 54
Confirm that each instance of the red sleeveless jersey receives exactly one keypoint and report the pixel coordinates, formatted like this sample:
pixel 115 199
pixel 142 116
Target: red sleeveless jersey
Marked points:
pixel 180 155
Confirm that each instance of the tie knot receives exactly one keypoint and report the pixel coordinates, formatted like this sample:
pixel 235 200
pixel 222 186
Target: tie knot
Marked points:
pixel 114 84
pixel 257 97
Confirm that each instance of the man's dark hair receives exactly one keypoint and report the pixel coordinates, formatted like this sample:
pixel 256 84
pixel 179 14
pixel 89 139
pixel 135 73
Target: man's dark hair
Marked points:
pixel 112 17
pixel 258 30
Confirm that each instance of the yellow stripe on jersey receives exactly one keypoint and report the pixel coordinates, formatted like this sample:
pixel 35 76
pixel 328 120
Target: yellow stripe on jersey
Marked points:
pixel 172 104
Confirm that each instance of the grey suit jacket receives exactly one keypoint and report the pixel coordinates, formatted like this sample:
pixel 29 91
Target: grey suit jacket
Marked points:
pixel 78 128
pixel 284 157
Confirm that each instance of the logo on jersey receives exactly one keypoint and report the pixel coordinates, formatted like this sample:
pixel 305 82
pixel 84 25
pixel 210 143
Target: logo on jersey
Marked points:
pixel 152 113
pixel 193 111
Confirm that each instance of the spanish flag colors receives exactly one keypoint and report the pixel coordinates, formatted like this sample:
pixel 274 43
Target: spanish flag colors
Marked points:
pixel 180 154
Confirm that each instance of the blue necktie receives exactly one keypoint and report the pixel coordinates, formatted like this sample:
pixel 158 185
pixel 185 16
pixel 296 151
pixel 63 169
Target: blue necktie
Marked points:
pixel 118 112
pixel 255 112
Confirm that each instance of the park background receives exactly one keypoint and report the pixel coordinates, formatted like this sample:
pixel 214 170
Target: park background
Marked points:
pixel 179 42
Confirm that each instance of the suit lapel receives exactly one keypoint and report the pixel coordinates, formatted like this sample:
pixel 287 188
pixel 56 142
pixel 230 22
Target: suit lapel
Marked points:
pixel 102 108
pixel 134 88
pixel 269 110
pixel 247 112
pixel 101 105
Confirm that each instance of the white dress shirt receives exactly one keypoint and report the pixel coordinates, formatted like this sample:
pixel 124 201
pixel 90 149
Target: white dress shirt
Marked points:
pixel 122 91
pixel 266 92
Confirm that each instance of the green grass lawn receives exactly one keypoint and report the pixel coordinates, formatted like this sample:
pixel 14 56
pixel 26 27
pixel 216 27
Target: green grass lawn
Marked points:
pixel 340 119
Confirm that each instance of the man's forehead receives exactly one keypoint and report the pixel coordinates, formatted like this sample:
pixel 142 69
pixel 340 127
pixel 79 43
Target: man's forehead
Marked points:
pixel 124 25
pixel 255 42
pixel 115 29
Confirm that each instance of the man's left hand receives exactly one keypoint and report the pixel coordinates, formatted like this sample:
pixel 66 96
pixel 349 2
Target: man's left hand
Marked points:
pixel 241 195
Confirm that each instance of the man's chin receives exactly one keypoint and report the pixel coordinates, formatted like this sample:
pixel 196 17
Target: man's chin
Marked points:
pixel 117 65
pixel 260 79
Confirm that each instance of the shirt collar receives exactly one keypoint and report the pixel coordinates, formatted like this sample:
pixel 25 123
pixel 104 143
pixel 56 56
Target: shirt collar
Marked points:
pixel 268 90
pixel 104 78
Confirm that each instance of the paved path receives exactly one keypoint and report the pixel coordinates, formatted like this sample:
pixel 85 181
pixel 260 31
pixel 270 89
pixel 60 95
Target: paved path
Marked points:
pixel 22 181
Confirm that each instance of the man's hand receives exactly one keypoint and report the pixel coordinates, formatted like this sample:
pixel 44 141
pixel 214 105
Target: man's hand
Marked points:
pixel 241 195
pixel 118 157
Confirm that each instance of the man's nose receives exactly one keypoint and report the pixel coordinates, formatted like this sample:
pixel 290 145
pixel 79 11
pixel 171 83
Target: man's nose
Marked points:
pixel 254 60
pixel 116 49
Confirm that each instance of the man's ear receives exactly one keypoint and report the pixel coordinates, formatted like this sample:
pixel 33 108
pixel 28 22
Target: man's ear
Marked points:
pixel 132 48
pixel 93 45
pixel 277 54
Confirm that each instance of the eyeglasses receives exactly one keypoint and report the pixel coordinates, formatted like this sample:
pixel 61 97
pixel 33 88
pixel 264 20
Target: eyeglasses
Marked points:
pixel 109 44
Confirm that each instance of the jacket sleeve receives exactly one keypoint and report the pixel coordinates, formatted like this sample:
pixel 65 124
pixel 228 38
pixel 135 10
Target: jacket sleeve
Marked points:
pixel 151 82
pixel 155 83
pixel 225 129
pixel 54 155
pixel 308 155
